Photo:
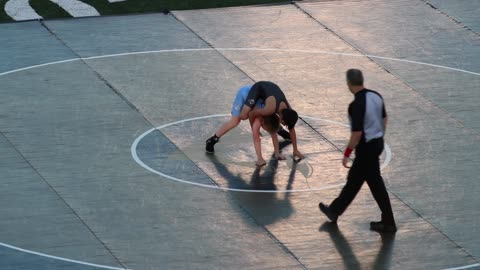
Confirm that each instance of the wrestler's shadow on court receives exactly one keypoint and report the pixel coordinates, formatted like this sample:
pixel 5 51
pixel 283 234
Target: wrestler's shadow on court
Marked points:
pixel 382 260
pixel 266 208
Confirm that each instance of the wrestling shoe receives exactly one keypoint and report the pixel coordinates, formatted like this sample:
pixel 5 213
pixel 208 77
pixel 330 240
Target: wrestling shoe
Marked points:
pixel 210 143
pixel 284 134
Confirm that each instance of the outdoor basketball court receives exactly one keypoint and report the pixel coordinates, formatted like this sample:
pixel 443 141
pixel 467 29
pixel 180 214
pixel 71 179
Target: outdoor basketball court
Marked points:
pixel 103 124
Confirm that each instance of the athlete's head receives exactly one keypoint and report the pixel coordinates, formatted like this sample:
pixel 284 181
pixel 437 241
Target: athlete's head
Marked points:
pixel 271 123
pixel 289 118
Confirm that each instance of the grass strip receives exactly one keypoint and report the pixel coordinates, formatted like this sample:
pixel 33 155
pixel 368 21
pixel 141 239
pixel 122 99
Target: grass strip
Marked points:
pixel 137 6
pixel 48 9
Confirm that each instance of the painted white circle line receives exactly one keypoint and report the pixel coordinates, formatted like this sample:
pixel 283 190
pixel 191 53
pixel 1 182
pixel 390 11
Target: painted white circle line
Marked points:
pixel 60 258
pixel 464 267
pixel 133 150
pixel 388 151
pixel 240 49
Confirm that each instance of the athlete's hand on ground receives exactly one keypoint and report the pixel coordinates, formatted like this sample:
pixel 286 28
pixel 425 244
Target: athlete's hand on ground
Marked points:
pixel 345 162
pixel 260 163
pixel 298 155
pixel 280 157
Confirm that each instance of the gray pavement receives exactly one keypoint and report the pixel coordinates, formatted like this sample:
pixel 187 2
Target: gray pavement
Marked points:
pixel 27 44
pixel 462 11
pixel 73 190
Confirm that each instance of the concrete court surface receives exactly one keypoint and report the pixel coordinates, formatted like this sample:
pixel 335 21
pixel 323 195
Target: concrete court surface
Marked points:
pixel 88 183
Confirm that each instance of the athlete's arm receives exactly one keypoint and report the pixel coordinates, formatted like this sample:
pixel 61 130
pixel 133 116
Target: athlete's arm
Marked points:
pixel 276 147
pixel 256 141
pixel 269 108
pixel 293 138
pixel 244 112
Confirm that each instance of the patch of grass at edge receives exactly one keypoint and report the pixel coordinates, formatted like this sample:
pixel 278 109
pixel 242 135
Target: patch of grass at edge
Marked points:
pixel 50 10
pixel 136 6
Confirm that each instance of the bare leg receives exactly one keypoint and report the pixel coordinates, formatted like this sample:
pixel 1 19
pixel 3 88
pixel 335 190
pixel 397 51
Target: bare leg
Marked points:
pixel 227 126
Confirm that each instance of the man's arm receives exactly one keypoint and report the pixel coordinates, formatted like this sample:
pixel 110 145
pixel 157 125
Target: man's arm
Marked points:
pixel 256 141
pixel 269 108
pixel 385 117
pixel 357 114
pixel 355 138
pixel 276 147
pixel 385 120
pixel 245 111
pixel 293 139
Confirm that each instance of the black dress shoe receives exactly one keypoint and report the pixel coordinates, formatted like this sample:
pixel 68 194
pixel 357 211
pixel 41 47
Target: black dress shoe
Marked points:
pixel 328 212
pixel 380 226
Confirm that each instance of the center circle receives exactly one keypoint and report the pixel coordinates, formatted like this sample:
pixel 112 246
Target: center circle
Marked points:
pixel 139 161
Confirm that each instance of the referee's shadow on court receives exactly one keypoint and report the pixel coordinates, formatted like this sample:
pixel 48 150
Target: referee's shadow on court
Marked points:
pixel 382 260
pixel 266 208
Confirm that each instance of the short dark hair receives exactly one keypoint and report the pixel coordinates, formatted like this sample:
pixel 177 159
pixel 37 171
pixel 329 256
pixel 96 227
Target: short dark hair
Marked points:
pixel 271 123
pixel 290 117
pixel 355 77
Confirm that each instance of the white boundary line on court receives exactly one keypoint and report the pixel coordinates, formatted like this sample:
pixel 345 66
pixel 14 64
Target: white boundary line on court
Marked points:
pixel 215 49
pixel 240 49
pixel 133 150
pixel 463 267
pixel 60 258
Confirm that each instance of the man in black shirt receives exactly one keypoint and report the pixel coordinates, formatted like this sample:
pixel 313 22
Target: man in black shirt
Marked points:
pixel 275 103
pixel 368 120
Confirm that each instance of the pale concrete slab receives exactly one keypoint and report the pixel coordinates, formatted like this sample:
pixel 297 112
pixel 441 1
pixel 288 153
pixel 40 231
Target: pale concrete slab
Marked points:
pixel 26 44
pixel 12 260
pixel 123 34
pixel 36 218
pixel 463 11
pixel 412 30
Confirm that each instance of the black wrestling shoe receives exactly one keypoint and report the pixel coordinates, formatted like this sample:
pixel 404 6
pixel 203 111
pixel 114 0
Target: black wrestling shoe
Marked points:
pixel 328 212
pixel 380 226
pixel 210 143
pixel 284 134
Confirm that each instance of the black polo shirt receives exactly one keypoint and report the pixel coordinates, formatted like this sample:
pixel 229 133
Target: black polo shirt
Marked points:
pixel 366 114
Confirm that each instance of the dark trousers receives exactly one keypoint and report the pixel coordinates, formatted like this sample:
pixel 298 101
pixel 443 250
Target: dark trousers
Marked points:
pixel 365 167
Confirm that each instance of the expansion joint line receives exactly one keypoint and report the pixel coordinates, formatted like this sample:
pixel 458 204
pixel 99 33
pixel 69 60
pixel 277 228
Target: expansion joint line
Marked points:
pixel 450 17
pixel 58 194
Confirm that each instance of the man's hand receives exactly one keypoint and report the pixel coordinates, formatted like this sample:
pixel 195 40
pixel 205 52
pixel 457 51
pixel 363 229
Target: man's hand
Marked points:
pixel 297 154
pixel 261 162
pixel 345 162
